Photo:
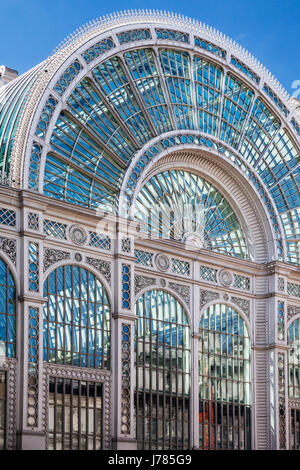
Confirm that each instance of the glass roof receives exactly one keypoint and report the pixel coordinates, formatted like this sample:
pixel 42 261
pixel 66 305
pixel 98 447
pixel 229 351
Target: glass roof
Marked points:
pixel 180 205
pixel 129 99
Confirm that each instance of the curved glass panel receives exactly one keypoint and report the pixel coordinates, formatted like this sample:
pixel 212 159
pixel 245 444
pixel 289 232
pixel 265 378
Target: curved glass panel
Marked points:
pixel 294 358
pixel 224 380
pixel 13 98
pixel 163 367
pixel 129 99
pixel 180 205
pixel 76 319
pixel 7 312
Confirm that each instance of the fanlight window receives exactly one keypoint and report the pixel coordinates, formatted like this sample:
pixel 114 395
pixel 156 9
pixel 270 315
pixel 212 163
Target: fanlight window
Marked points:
pixel 180 205
pixel 163 363
pixel 76 319
pixel 224 380
pixel 7 312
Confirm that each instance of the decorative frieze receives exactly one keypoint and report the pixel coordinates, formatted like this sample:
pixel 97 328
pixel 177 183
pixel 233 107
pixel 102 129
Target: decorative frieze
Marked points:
pixel 125 385
pixel 207 296
pixel 68 76
pixel 104 267
pixel 281 401
pixel 183 291
pixel 33 360
pixel 243 304
pixel 98 49
pixel 9 247
pixel 84 374
pixel 142 282
pixel 292 311
pixel 53 256
pixel 9 366
pixel 134 35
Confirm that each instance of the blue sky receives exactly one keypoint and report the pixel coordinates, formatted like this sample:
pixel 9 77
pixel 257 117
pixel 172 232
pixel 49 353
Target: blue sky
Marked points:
pixel 269 29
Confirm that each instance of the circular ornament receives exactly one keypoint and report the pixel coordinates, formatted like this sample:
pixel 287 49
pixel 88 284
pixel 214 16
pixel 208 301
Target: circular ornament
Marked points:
pixel 78 257
pixel 78 235
pixel 162 283
pixel 162 262
pixel 225 278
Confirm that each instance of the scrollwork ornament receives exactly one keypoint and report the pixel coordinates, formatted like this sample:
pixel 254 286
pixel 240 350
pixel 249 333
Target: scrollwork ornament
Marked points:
pixel 183 291
pixel 104 267
pixel 9 247
pixel 52 256
pixel 244 305
pixel 292 311
pixel 207 296
pixel 141 282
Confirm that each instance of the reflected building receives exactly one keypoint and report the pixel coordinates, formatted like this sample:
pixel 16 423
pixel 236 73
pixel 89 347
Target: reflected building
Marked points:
pixel 149 245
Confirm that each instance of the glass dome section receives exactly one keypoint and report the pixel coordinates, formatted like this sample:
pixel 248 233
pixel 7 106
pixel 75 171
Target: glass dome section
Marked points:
pixel 121 92
pixel 180 205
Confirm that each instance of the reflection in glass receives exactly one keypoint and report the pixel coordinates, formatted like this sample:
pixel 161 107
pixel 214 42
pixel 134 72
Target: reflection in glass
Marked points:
pixel 180 205
pixel 76 319
pixel 224 380
pixel 75 415
pixel 163 364
pixel 7 312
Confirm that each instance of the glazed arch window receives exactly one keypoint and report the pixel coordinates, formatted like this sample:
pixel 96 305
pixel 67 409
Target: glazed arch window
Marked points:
pixel 181 205
pixel 224 380
pixel 76 319
pixel 163 372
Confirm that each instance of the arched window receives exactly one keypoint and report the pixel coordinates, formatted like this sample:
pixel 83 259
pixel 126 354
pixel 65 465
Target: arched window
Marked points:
pixel 162 358
pixel 180 205
pixel 76 319
pixel 294 381
pixel 7 312
pixel 224 380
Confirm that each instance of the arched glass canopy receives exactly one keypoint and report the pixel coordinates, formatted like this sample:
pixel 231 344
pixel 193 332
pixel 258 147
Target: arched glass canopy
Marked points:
pixel 180 205
pixel 147 88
